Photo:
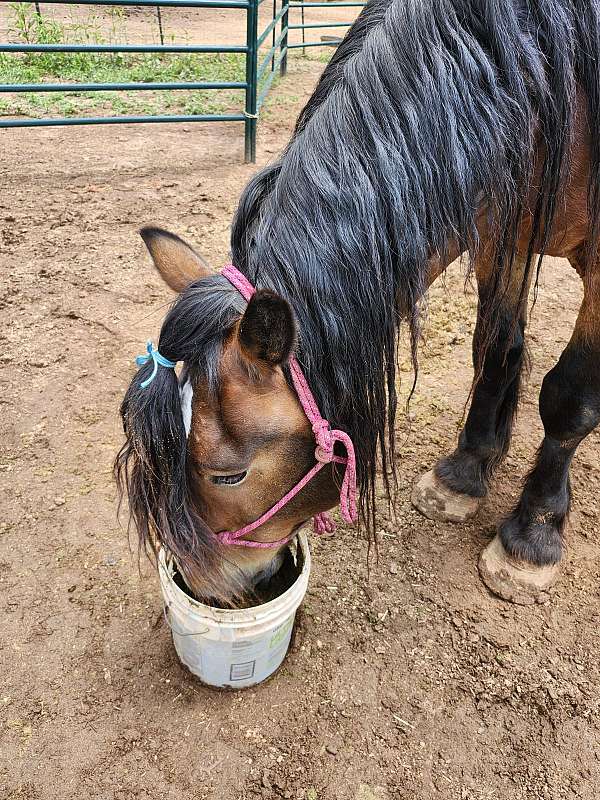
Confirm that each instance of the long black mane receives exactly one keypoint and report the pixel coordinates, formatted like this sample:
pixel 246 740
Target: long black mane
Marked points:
pixel 429 111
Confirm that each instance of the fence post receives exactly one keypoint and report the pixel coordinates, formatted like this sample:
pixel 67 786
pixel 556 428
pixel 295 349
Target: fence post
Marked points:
pixel 160 27
pixel 274 37
pixel 284 41
pixel 251 81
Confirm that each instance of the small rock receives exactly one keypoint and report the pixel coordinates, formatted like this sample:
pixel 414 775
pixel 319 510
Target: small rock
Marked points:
pixel 393 568
pixel 331 749
pixel 59 501
pixel 109 561
pixel 370 792
pixel 266 783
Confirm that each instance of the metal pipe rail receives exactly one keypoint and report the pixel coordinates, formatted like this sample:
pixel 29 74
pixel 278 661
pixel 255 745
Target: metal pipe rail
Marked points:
pixel 116 87
pixel 154 3
pixel 121 48
pixel 319 25
pixel 37 123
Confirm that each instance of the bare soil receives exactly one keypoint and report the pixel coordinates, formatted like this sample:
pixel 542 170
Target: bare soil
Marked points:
pixel 180 26
pixel 406 679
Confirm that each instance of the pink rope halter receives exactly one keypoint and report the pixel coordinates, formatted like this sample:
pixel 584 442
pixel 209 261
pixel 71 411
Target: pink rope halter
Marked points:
pixel 325 438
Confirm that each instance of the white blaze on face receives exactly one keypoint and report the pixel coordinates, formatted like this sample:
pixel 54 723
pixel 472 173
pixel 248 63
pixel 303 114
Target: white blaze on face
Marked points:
pixel 186 393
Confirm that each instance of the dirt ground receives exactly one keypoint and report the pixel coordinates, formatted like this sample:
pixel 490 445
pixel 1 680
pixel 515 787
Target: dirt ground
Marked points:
pixel 405 682
pixel 180 26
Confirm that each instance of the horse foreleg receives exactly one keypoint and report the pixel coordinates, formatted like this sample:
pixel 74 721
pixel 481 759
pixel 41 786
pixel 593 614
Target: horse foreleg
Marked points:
pixel 523 560
pixel 454 488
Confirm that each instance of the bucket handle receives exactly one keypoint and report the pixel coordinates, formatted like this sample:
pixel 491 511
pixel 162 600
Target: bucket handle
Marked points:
pixel 174 629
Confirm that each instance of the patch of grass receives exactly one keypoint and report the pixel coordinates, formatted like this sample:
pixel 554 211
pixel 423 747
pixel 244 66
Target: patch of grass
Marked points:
pixel 27 26
pixel 276 106
pixel 121 68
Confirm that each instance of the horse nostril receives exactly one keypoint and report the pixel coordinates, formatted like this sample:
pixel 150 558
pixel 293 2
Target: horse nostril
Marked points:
pixel 228 480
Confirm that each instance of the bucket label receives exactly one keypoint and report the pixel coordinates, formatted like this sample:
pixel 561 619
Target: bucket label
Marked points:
pixel 237 648
pixel 242 672
pixel 280 633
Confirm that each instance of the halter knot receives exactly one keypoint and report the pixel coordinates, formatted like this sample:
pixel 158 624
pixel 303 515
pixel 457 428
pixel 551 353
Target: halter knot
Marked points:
pixel 325 441
pixel 157 359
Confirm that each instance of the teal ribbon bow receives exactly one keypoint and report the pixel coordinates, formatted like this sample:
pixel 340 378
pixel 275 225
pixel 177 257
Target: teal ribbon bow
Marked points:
pixel 157 359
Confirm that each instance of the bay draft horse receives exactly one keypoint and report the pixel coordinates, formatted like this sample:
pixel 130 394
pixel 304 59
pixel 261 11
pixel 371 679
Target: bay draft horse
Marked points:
pixel 439 127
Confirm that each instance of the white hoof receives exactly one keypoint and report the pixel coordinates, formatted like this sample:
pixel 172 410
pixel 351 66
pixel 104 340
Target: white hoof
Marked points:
pixel 437 502
pixel 516 581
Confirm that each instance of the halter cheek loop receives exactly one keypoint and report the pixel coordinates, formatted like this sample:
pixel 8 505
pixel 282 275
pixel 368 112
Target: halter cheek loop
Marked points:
pixel 325 439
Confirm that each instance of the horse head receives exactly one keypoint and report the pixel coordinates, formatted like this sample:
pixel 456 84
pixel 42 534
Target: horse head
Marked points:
pixel 211 449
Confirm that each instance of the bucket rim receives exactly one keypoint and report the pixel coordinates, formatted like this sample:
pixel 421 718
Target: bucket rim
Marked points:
pixel 237 616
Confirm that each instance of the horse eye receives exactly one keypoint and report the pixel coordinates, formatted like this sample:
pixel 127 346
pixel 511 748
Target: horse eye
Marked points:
pixel 228 480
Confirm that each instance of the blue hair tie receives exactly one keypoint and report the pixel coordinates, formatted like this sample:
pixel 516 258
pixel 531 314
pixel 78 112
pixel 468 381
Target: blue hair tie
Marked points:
pixel 157 359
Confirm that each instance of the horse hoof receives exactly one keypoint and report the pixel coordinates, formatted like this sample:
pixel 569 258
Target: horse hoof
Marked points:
pixel 435 501
pixel 516 581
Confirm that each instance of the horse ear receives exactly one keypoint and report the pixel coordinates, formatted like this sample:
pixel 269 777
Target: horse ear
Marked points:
pixel 175 260
pixel 267 331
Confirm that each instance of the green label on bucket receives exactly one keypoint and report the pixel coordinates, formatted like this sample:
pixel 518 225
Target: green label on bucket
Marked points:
pixel 280 633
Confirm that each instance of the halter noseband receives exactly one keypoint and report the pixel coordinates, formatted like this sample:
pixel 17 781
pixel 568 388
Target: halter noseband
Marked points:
pixel 325 439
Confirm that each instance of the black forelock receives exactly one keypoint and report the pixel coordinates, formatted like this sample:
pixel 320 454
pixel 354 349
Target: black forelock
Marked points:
pixel 153 466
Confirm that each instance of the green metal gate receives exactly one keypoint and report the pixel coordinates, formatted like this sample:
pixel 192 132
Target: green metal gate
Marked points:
pixel 261 68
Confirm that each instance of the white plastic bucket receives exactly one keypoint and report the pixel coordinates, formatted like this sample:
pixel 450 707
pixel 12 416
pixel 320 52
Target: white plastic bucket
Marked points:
pixel 232 648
